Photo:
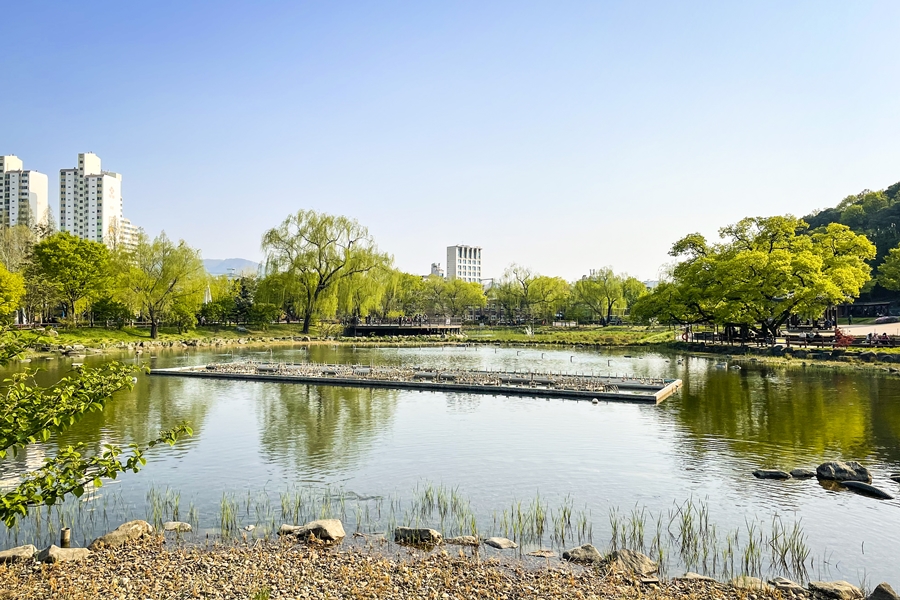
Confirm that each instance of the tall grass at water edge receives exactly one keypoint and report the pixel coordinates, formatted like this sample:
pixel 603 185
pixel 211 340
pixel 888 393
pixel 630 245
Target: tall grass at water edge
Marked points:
pixel 682 537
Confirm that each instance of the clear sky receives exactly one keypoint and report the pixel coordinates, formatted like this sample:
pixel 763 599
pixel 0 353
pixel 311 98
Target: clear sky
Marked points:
pixel 563 136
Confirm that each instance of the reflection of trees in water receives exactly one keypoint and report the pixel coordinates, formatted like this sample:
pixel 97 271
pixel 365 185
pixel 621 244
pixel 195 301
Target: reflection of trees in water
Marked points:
pixel 789 416
pixel 321 427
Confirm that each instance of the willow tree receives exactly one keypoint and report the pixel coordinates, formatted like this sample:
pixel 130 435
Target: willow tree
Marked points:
pixel 601 291
pixel 161 278
pixel 765 270
pixel 312 252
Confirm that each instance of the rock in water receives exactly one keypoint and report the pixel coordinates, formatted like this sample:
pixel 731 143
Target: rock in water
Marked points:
pixel 583 554
pixel 803 473
pixel 55 554
pixel 500 543
pixel 868 490
pixel 18 553
pixel 629 561
pixel 125 532
pixel 179 526
pixel 883 592
pixel 771 474
pixel 417 537
pixel 462 540
pixel 896 477
pixel 843 471
pixel 835 590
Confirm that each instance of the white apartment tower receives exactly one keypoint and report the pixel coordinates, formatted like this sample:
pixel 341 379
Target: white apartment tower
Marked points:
pixel 464 262
pixel 23 195
pixel 90 201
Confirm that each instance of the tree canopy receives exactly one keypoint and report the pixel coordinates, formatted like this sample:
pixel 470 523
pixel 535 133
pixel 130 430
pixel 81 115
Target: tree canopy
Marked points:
pixel 765 270
pixel 77 269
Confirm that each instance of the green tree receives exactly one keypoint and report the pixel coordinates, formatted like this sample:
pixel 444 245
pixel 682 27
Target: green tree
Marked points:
pixel 12 290
pixel 453 298
pixel 547 295
pixel 765 270
pixel 632 290
pixel 78 269
pixel 314 251
pixel 30 414
pixel 158 275
pixel 601 291
pixel 889 271
pixel 16 244
pixel 107 310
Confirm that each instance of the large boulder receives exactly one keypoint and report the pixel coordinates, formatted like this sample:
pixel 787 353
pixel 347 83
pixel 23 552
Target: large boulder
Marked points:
pixel 18 553
pixel 417 536
pixel 500 543
pixel 835 590
pixel 325 530
pixel 583 554
pixel 843 471
pixel 55 554
pixel 771 474
pixel 883 592
pixel 629 561
pixel 126 532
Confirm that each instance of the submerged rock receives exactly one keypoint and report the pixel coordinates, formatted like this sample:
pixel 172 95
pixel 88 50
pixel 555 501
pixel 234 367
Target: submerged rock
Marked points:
pixel 18 553
pixel 895 477
pixel 462 540
pixel 55 554
pixel 125 532
pixel 417 537
pixel 500 543
pixel 583 554
pixel 835 590
pixel 866 489
pixel 629 561
pixel 843 471
pixel 771 474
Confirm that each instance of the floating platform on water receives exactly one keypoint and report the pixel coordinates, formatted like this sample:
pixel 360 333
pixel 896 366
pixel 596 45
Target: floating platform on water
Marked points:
pixel 577 386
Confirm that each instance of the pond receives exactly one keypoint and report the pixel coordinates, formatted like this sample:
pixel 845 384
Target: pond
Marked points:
pixel 673 479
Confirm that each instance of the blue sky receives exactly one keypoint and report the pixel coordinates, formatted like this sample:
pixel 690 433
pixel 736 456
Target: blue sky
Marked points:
pixel 560 135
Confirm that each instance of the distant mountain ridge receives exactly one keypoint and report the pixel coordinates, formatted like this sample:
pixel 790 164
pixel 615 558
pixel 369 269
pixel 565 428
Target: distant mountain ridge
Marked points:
pixel 216 266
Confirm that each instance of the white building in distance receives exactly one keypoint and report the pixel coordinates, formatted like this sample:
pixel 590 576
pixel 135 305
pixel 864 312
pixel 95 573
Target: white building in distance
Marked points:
pixel 464 262
pixel 90 201
pixel 23 195
pixel 436 270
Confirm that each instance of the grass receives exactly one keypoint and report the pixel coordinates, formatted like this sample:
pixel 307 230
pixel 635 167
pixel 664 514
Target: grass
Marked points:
pixel 615 335
pixel 94 336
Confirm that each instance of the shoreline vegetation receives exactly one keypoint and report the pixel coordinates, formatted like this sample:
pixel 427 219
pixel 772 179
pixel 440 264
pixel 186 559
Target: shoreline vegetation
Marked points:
pixel 247 555
pixel 98 340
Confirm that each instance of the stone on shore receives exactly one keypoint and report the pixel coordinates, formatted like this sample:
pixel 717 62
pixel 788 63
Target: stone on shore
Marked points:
pixel 462 540
pixel 883 592
pixel 771 474
pixel 417 536
pixel 835 590
pixel 179 526
pixel 583 554
pixel 542 553
pixel 325 530
pixel 500 543
pixel 629 561
pixel 843 471
pixel 786 585
pixel 746 582
pixel 55 554
pixel 803 473
pixel 18 553
pixel 693 577
pixel 125 532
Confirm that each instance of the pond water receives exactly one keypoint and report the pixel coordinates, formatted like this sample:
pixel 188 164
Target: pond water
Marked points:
pixel 676 475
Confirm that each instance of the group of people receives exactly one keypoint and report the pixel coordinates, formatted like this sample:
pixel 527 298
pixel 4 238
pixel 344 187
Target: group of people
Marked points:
pixel 873 339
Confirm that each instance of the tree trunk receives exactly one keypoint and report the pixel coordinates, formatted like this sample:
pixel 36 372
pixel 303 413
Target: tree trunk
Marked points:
pixel 154 325
pixel 307 317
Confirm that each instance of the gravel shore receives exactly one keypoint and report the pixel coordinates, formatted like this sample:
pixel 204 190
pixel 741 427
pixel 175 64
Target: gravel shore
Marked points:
pixel 283 569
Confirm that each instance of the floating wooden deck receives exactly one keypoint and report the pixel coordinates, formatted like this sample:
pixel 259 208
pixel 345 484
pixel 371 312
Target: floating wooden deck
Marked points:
pixel 578 386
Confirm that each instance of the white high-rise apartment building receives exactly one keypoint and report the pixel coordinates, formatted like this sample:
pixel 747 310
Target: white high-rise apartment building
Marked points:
pixel 464 262
pixel 23 195
pixel 90 201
